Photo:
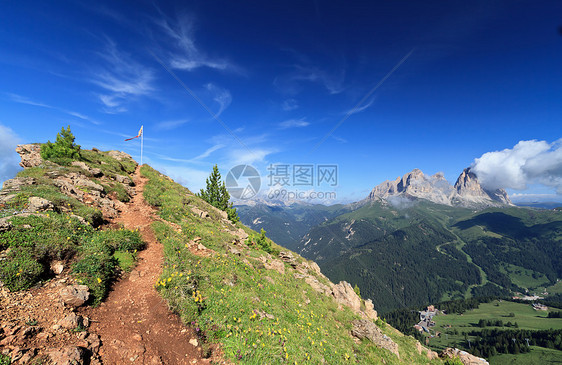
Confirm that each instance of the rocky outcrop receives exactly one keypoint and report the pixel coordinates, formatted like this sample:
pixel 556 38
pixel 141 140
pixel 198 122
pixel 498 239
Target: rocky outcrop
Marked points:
pixel 344 294
pixel 30 155
pixel 119 155
pixel 465 357
pixel 365 329
pixel 80 187
pixel 467 191
pixel 429 353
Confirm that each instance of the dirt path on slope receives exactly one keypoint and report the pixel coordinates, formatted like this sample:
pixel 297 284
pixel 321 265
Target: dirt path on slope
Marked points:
pixel 134 322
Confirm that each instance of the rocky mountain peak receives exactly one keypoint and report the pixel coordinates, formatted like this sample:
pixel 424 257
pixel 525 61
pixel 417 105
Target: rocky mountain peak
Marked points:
pixel 466 192
pixel 468 187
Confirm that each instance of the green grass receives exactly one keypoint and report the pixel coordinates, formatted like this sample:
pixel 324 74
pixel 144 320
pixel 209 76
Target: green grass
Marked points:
pixel 525 316
pixel 537 356
pixel 524 278
pixel 36 240
pixel 555 289
pixel 229 298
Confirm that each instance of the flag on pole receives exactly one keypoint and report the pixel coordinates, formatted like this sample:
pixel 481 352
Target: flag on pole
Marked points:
pixel 141 135
pixel 138 135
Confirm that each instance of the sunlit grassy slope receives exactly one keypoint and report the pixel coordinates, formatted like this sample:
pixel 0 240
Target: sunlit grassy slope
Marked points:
pixel 258 316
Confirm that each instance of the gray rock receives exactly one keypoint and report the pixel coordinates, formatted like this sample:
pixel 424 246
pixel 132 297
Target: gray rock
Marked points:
pixel 5 225
pixel 124 180
pixel 95 172
pixel 37 204
pixel 200 213
pixel 365 329
pixel 75 295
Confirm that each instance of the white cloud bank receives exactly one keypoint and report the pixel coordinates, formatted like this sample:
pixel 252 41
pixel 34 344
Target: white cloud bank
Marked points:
pixel 528 162
pixel 8 157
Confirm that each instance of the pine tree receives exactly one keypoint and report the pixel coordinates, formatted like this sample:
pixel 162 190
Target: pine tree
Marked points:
pixel 63 148
pixel 216 194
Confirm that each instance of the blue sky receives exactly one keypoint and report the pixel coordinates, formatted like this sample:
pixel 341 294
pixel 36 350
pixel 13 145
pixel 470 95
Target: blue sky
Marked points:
pixel 290 82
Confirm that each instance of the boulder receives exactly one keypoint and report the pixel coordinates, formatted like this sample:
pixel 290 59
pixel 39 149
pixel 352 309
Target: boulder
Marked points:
pixel 5 225
pixel 365 329
pixel 57 267
pixel 37 204
pixel 344 294
pixel 30 155
pixel 75 295
pixel 95 172
pixel 71 321
pixel 70 355
pixel 200 213
pixel 288 258
pixel 465 357
pixel 124 180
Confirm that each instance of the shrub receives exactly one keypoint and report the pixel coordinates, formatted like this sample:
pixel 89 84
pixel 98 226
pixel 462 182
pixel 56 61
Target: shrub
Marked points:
pixel 63 149
pixel 121 240
pixel 260 241
pixel 5 360
pixel 20 270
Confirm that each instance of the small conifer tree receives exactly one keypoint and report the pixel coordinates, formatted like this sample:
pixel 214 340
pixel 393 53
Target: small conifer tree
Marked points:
pixel 63 148
pixel 216 194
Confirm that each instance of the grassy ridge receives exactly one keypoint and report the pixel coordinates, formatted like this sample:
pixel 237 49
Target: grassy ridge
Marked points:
pixel 259 316
pixel 69 232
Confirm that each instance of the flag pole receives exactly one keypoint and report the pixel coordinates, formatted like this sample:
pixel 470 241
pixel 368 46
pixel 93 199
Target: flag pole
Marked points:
pixel 142 141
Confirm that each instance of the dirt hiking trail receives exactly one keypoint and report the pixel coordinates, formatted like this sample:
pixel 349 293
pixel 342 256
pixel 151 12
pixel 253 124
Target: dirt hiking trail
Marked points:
pixel 134 322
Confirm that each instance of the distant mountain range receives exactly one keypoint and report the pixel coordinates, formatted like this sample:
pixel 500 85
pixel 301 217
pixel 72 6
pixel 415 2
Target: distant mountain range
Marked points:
pixel 467 191
pixel 419 239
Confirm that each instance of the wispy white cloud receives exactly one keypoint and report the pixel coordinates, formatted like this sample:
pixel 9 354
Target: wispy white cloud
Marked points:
pixel 122 78
pixel 339 139
pixel 239 156
pixel 294 123
pixel 24 100
pixel 290 83
pixel 195 159
pixel 360 108
pixel 187 55
pixel 289 104
pixel 170 124
pixel 208 152
pixel 221 96
pixel 8 157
